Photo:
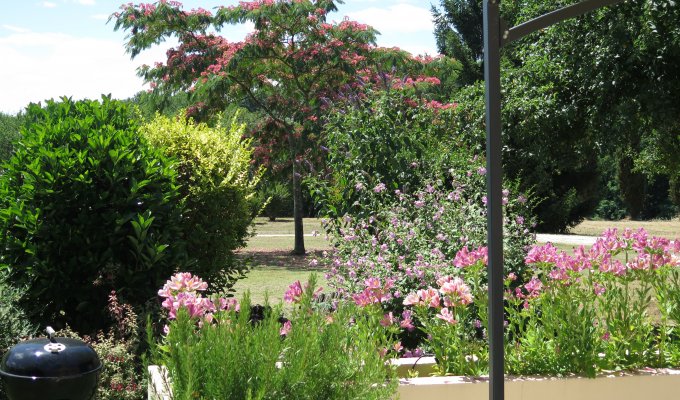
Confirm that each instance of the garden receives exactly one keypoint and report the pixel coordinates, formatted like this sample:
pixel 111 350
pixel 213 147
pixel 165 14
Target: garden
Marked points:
pixel 148 227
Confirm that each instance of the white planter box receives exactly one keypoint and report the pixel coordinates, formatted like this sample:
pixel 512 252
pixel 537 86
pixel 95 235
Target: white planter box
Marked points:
pixel 650 384
pixel 641 385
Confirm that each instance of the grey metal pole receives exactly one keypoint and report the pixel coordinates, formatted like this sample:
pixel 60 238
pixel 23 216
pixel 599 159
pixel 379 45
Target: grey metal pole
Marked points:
pixel 494 39
pixel 492 77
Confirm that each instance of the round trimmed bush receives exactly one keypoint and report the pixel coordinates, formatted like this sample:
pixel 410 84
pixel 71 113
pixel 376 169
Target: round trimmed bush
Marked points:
pixel 87 207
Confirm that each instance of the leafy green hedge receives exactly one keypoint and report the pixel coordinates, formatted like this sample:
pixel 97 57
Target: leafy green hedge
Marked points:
pixel 86 207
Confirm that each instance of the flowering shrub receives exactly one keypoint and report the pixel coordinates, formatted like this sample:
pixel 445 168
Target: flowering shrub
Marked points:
pixel 574 314
pixel 315 354
pixel 388 139
pixel 591 309
pixel 412 242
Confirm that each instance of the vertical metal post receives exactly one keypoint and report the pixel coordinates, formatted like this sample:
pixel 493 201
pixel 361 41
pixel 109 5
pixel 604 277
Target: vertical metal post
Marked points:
pixel 492 77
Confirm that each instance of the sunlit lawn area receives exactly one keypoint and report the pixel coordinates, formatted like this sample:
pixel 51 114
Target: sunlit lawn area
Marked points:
pixel 664 228
pixel 273 267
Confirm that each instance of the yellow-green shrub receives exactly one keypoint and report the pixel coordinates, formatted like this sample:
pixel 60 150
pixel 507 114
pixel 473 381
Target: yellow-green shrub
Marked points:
pixel 216 184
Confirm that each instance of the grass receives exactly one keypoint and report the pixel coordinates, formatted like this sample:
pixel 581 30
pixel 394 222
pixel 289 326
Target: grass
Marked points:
pixel 273 267
pixel 284 226
pixel 669 229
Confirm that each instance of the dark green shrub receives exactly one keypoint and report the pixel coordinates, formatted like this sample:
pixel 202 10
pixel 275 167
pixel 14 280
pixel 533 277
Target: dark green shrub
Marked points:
pixel 87 207
pixel 277 200
pixel 13 322
pixel 215 185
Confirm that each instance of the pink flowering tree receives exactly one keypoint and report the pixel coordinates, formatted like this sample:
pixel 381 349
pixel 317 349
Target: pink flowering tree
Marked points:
pixel 288 68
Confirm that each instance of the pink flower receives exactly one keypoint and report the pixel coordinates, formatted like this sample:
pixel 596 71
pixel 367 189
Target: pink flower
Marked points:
pixel 542 254
pixel 465 258
pixel 598 289
pixel 534 287
pixel 294 293
pixel 285 329
pixel 387 320
pixel 430 297
pixel 397 347
pixel 411 299
pixel 379 188
pixel 457 291
pixel 445 315
pixel 229 304
pixel 407 321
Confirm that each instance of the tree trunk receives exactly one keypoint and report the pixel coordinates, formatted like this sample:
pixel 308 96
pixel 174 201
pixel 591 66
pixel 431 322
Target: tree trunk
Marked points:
pixel 633 187
pixel 297 212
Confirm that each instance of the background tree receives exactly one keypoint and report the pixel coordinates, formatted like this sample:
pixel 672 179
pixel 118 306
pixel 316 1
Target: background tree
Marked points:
pixel 602 84
pixel 9 133
pixel 458 31
pixel 288 68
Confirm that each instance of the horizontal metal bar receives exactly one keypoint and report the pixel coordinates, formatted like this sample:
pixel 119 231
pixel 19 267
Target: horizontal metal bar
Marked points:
pixel 553 17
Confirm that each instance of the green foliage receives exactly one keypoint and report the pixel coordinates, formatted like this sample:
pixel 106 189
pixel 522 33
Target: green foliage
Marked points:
pixel 9 134
pixel 13 322
pixel 601 84
pixel 122 376
pixel 387 139
pixel 215 186
pixel 276 198
pixel 87 207
pixel 323 356
pixel 546 145
pixel 458 31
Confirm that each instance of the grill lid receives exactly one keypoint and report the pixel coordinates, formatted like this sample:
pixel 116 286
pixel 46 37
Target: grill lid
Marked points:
pixel 50 358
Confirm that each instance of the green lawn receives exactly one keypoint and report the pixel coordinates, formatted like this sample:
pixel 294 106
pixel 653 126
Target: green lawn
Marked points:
pixel 663 228
pixel 273 267
pixel 284 226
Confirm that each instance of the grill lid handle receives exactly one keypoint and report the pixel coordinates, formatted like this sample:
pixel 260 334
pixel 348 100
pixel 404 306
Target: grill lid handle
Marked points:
pixel 50 334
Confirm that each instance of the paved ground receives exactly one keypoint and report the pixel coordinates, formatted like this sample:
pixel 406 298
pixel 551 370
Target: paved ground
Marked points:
pixel 575 240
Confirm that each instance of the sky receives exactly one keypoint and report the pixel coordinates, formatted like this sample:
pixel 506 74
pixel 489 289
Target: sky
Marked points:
pixel 55 48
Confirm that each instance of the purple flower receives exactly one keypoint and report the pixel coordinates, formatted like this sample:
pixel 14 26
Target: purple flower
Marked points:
pixel 379 188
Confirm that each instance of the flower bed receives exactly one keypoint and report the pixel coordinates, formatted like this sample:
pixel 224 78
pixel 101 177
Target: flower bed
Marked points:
pixel 613 307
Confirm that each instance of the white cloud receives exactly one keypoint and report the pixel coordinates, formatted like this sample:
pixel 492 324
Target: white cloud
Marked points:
pixel 40 66
pixel 48 4
pixel 86 2
pixel 399 18
pixel 16 29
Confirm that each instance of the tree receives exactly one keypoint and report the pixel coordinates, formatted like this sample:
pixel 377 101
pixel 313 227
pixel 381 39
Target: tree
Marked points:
pixel 604 83
pixel 9 133
pixel 289 68
pixel 458 30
